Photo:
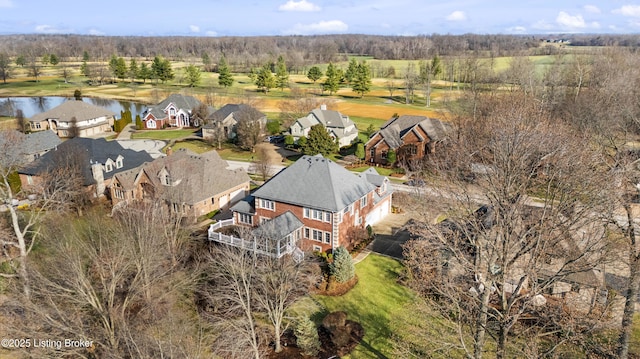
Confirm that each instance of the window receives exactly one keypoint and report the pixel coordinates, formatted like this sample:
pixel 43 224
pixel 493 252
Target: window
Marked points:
pixel 119 163
pixel 266 204
pixel 245 218
pixel 317 235
pixel 363 201
pixel 151 124
pixel 108 167
pixel 373 154
pixel 118 193
pixel 327 216
pixel 38 126
pixel 327 237
pixel 306 233
pixel 317 248
pixel 264 219
pixel 213 200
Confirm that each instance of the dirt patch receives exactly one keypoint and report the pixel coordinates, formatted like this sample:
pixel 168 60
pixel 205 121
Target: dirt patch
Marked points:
pixel 333 288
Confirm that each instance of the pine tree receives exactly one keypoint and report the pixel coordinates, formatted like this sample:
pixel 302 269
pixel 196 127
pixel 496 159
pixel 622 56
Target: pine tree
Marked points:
pixel 342 267
pixel 193 75
pixel 362 80
pixel 332 83
pixel 144 72
pixel 307 338
pixel 352 70
pixel 139 125
pixel 360 150
pixel 53 59
pixel 133 69
pixel 161 69
pixel 314 74
pixel 282 76
pixel 264 79
pixel 225 79
pixel 319 141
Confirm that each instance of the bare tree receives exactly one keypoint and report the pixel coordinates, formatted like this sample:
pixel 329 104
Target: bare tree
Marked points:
pixel 21 122
pixel 249 128
pixel 500 250
pixel 215 136
pixel 261 165
pixel 410 80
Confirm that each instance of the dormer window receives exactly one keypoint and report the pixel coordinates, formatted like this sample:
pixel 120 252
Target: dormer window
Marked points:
pixel 119 162
pixel 108 167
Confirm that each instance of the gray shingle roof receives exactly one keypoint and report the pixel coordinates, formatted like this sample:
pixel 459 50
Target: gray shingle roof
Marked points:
pixel 315 182
pixel 41 141
pixel 196 177
pixel 246 205
pixel 279 227
pixel 394 129
pixel 98 151
pixel 184 102
pixel 330 118
pixel 229 109
pixel 69 109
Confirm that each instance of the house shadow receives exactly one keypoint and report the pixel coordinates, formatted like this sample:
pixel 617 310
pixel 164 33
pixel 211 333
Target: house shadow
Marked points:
pixel 391 245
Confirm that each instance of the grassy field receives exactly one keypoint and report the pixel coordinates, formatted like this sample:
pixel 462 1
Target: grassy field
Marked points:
pixel 373 302
pixel 163 134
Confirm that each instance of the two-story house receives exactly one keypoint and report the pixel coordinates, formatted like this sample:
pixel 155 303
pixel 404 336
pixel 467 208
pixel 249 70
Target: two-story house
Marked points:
pixel 339 126
pixel 99 160
pixel 175 111
pixel 33 145
pixel 192 184
pixel 74 116
pixel 228 117
pixel 328 200
pixel 411 137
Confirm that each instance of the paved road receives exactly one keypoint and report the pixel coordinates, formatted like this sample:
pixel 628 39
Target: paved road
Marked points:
pixel 233 165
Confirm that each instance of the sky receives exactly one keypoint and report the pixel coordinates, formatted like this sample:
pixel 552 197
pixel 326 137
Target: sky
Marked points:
pixel 311 17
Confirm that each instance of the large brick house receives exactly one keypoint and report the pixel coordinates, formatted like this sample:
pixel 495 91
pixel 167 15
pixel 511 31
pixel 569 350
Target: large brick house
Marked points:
pixel 192 184
pixel 330 202
pixel 175 111
pixel 88 120
pixel 411 137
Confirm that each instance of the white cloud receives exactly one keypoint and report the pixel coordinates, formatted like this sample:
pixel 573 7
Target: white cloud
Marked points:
pixel 592 9
pixel 302 5
pixel 628 10
pixel 570 21
pixel 457 16
pixel 517 30
pixel 194 28
pixel 322 27
pixel 6 3
pixel 48 29
pixel 211 33
pixel 95 32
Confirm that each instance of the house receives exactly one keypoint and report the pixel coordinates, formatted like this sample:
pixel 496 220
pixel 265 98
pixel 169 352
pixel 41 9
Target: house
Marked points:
pixel 99 160
pixel 194 184
pixel 175 111
pixel 34 145
pixel 339 126
pixel 331 203
pixel 411 137
pixel 71 116
pixel 228 117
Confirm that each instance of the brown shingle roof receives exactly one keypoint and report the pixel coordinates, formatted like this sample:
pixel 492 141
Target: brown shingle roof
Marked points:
pixel 67 110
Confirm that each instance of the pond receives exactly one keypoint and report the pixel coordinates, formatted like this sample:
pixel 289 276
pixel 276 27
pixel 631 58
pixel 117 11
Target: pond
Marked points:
pixel 34 105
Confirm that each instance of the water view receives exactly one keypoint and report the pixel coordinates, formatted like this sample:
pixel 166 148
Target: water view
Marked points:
pixel 34 105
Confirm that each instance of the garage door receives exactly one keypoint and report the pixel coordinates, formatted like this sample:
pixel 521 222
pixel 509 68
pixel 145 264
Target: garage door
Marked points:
pixel 378 213
pixel 236 196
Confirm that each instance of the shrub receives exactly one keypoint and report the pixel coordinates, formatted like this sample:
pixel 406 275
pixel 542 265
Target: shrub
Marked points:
pixel 288 140
pixel 342 267
pixel 360 150
pixel 307 337
pixel 273 127
pixel 302 141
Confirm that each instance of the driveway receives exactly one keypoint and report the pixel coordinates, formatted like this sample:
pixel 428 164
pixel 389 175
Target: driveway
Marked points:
pixel 153 147
pixel 390 235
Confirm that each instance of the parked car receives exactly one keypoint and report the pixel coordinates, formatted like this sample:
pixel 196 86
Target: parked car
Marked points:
pixel 276 139
pixel 415 182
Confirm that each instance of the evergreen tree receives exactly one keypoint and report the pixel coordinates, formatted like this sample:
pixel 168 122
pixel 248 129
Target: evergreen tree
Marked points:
pixel 133 69
pixel 302 142
pixel 360 150
pixel 45 59
pixel 85 55
pixel 206 61
pixel 5 66
pixel 264 79
pixel 21 61
pixel 288 141
pixel 139 125
pixel 314 74
pixel 362 80
pixel 193 75
pixel 307 338
pixel 225 79
pixel 77 95
pixel 161 69
pixel 332 82
pixel 319 141
pixel 121 69
pixel 282 76
pixel 342 267
pixel 53 59
pixel 84 69
pixel 352 70
pixel 144 72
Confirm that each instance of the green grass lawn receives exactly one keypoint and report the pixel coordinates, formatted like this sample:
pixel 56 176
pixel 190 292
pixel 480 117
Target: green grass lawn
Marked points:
pixel 163 134
pixel 373 302
pixel 193 145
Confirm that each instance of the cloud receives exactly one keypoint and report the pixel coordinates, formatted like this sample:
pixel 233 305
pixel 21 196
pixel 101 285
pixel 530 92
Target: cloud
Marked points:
pixel 570 21
pixel 48 29
pixel 95 32
pixel 302 5
pixel 457 16
pixel 517 30
pixel 211 33
pixel 628 10
pixel 322 27
pixel 6 3
pixel 592 9
pixel 194 28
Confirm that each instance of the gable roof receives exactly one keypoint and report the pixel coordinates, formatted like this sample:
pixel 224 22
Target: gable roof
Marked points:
pixel 72 108
pixel 229 109
pixel 278 227
pixel 195 177
pixel 183 102
pixel 97 150
pixel 315 182
pixel 35 142
pixel 394 129
pixel 330 118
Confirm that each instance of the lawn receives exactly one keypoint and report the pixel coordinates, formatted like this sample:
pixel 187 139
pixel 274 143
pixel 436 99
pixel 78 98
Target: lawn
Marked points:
pixel 373 302
pixel 192 145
